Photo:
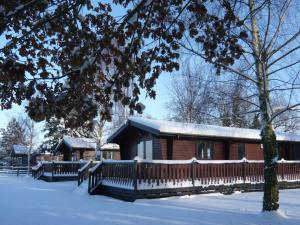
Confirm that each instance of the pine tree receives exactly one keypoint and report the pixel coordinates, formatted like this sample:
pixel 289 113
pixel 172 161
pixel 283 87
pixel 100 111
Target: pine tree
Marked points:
pixel 14 133
pixel 55 129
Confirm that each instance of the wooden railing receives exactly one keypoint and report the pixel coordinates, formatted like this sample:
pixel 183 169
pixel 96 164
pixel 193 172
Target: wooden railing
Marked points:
pixel 66 167
pixel 165 174
pixel 14 170
pixel 121 173
pixel 38 170
pixel 94 177
pixel 83 172
pixel 57 168
pixel 288 170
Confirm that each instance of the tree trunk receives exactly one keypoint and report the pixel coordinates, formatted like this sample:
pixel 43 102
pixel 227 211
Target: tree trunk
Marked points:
pixel 271 194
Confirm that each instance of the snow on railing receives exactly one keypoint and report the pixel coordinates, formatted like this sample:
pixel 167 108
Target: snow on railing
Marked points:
pixel 141 174
pixel 83 172
pixel 38 166
pixel 69 162
pixel 58 168
pixel 85 166
pixel 92 170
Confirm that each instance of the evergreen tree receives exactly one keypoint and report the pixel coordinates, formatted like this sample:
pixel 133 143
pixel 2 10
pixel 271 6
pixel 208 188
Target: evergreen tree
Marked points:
pixel 55 129
pixel 14 133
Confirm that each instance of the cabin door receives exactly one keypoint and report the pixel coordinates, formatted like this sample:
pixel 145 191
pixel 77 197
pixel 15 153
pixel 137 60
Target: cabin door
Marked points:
pixel 145 150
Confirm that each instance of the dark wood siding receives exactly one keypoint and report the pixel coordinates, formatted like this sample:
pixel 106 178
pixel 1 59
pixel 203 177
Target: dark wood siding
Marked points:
pixel 254 151
pixel 219 150
pixel 164 148
pixel 293 151
pixel 233 151
pixel 157 153
pixel 184 149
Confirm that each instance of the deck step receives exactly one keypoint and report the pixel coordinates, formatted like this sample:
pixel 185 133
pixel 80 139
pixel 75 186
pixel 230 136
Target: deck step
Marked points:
pixel 95 190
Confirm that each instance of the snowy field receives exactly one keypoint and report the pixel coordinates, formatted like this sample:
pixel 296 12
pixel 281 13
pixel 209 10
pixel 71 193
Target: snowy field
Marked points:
pixel 27 202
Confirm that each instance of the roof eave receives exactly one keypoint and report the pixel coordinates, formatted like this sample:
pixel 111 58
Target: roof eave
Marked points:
pixel 117 132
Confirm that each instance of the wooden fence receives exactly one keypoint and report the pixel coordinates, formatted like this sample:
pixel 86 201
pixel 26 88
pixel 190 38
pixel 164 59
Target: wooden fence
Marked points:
pixel 157 176
pixel 83 172
pixel 57 169
pixel 14 170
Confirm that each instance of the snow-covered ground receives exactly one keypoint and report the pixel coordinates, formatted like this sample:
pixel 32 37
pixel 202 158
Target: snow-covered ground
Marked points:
pixel 24 201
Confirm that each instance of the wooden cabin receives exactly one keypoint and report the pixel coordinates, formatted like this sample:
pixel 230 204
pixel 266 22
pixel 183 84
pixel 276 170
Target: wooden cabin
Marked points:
pixel 158 139
pixel 47 156
pixel 74 149
pixel 19 156
pixel 110 151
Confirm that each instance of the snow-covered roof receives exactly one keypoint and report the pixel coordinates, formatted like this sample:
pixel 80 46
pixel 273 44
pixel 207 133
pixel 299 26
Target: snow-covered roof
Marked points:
pixel 110 146
pixel 160 127
pixel 72 142
pixel 19 149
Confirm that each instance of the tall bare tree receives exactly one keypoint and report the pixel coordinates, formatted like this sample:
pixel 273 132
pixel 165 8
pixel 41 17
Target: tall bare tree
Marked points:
pixel 196 96
pixel 30 133
pixel 191 97
pixel 233 103
pixel 270 57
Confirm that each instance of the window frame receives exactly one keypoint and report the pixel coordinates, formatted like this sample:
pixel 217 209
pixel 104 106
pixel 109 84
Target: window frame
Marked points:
pixel 210 150
pixel 201 149
pixel 145 152
pixel 244 150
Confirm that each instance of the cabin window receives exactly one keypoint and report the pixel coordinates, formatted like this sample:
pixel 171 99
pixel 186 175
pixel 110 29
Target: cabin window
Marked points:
pixel 201 149
pixel 19 161
pixel 107 155
pixel 241 150
pixel 149 150
pixel 140 150
pixel 145 150
pixel 74 156
pixel 210 150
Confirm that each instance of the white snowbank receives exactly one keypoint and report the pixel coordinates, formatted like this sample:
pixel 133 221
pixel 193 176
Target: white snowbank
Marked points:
pixel 28 202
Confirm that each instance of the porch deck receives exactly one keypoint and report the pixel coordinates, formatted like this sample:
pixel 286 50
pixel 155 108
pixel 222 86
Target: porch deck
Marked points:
pixel 57 170
pixel 63 170
pixel 130 179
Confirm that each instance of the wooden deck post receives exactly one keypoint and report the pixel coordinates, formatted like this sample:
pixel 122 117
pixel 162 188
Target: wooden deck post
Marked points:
pixel 244 173
pixel 135 175
pixel 89 185
pixel 281 166
pixel 53 165
pixel 193 171
pixel 78 178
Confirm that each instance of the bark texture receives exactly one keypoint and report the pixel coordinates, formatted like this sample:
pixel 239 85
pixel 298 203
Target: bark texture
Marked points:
pixel 271 194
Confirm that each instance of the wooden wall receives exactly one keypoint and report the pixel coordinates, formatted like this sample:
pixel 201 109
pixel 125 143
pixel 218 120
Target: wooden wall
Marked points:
pixel 167 147
pixel 89 155
pixel 187 149
pixel 253 151
pixel 184 149
pixel 48 157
